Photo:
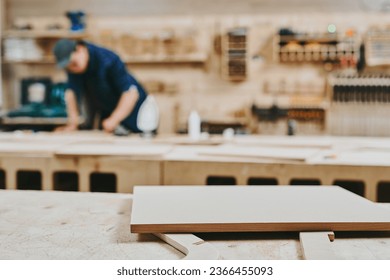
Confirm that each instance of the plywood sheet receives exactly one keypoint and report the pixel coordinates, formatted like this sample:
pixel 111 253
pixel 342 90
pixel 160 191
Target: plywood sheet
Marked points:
pixel 285 141
pixel 356 157
pixel 254 209
pixel 113 149
pixel 23 148
pixel 186 140
pixel 288 153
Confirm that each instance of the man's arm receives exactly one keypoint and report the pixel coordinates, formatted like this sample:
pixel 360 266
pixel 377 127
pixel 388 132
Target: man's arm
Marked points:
pixel 123 109
pixel 72 111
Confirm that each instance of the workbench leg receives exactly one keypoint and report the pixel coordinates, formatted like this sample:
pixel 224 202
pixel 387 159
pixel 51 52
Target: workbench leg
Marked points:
pixel 317 246
pixel 10 179
pixel 84 183
pixel 47 182
pixel 370 191
pixel 283 181
pixel 124 184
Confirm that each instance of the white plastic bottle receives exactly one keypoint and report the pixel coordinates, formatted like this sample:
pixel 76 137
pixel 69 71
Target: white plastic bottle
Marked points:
pixel 194 126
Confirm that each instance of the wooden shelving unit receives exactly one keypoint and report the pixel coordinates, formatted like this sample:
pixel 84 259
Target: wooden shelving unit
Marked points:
pixel 45 40
pixel 145 59
pixel 33 46
pixel 377 46
pixel 185 58
pixel 316 48
pixel 234 54
pixel 55 34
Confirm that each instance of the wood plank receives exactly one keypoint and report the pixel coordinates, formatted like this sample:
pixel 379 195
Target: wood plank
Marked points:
pixel 179 7
pixel 317 246
pixel 356 157
pixel 41 144
pixel 193 247
pixel 185 140
pixel 295 141
pixel 113 149
pixel 299 154
pixel 253 209
pixel 64 33
pixel 43 149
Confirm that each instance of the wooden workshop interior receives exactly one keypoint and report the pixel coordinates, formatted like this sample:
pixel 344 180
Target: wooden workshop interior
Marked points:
pixel 287 94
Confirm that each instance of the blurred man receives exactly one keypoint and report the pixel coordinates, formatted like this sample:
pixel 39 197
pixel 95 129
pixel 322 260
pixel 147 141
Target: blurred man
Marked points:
pixel 98 77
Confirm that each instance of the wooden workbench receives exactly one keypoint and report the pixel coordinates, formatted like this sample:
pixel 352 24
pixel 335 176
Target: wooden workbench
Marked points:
pixel 130 160
pixel 176 160
pixel 281 160
pixel 75 225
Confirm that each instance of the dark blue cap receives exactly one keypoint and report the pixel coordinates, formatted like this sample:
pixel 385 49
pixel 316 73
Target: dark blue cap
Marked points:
pixel 63 50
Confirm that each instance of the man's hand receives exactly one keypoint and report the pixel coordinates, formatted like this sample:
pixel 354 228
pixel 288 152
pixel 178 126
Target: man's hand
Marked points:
pixel 124 107
pixel 110 124
pixel 66 128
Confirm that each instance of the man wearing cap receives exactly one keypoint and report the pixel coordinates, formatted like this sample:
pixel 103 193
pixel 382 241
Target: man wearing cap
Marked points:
pixel 98 76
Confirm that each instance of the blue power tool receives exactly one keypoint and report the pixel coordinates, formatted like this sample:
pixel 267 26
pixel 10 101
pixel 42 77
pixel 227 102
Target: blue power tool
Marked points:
pixel 77 20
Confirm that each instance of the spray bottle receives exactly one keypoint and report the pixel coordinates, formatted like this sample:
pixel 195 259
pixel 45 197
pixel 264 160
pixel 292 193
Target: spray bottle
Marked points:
pixel 194 126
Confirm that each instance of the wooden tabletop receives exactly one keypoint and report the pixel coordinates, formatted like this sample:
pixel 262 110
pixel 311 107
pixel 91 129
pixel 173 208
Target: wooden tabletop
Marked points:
pixel 66 225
